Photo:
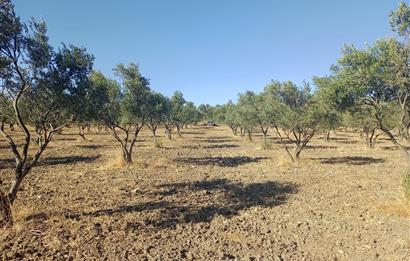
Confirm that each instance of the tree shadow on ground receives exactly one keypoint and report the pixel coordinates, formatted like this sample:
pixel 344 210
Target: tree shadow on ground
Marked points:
pixel 335 138
pixel 212 146
pixel 192 132
pixel 276 140
pixel 49 161
pixel 67 139
pixel 393 147
pixel 201 201
pixel 217 140
pixel 4 147
pixel 7 163
pixel 220 161
pixel 347 141
pixel 350 160
pixel 91 146
pixel 317 147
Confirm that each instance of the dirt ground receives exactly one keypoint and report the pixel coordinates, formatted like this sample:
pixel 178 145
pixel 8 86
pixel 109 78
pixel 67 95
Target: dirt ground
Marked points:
pixel 209 195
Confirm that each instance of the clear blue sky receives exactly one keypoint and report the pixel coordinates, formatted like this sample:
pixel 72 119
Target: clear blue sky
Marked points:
pixel 213 49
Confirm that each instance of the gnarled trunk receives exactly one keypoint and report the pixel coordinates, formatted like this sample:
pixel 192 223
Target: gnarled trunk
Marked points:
pixel 283 143
pixel 126 155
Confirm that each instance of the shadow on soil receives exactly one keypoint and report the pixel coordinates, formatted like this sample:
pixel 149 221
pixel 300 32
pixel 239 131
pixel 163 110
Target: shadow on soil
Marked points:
pixel 212 146
pixel 67 160
pixel 320 147
pixel 393 148
pixel 9 163
pixel 350 160
pixel 220 161
pixel 192 132
pixel 194 202
pixel 91 146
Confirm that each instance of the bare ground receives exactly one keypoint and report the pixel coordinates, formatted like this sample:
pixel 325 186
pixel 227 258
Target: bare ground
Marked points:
pixel 209 196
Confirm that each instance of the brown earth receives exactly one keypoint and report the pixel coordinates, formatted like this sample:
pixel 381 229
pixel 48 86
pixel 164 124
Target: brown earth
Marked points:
pixel 209 195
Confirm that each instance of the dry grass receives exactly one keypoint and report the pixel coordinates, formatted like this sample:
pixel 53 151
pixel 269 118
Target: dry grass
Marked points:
pixel 399 207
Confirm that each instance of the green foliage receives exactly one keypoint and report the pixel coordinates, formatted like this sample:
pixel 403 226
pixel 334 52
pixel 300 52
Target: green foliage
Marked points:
pixel 400 20
pixel 375 77
pixel 158 107
pixel 219 114
pixel 248 112
pixel 190 114
pixel 206 111
pixel 298 112
pixel 135 92
pixel 177 115
pixel 326 98
pixel 48 85
pixel 108 96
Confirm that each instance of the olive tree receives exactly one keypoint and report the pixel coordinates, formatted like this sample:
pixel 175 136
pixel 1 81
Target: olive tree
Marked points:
pixel 126 107
pixel 158 108
pixel 44 85
pixel 94 98
pixel 376 78
pixel 299 117
pixel 324 98
pixel 248 114
pixel 206 111
pixel 232 117
pixel 190 114
pixel 176 117
pixel 400 23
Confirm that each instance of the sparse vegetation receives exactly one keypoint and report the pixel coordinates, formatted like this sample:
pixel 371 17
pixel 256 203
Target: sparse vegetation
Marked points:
pixel 351 126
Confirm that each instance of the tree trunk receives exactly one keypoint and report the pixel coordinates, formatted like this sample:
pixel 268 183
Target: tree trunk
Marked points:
pixel 6 217
pixel 15 188
pixel 154 137
pixel 81 132
pixel 179 131
pixel 371 139
pixel 395 142
pixel 265 139
pixel 126 156
pixel 249 135
pixel 327 136
pixel 168 132
pixel 234 130
pixel 11 126
pixel 284 144
pixel 297 152
pixel 242 132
